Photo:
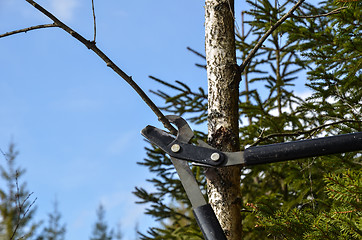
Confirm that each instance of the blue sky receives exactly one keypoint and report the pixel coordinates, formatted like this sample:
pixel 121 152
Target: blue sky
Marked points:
pixel 75 122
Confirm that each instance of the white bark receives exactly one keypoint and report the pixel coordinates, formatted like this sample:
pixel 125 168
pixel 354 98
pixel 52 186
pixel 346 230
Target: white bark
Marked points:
pixel 223 86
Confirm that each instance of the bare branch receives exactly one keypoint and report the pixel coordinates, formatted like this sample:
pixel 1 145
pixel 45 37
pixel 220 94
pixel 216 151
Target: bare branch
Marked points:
pixel 267 34
pixel 24 30
pixel 335 11
pixel 20 206
pixel 298 133
pixel 4 154
pixel 196 52
pixel 94 22
pixel 200 65
pixel 92 46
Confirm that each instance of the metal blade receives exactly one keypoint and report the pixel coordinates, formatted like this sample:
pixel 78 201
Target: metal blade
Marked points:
pixel 158 137
pixel 189 182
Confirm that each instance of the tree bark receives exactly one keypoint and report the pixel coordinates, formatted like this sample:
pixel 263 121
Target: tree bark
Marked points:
pixel 223 85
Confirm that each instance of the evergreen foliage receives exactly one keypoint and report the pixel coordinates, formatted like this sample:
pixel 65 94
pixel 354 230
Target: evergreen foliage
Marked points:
pixel 100 228
pixel 118 234
pixel 54 229
pixel 280 200
pixel 16 207
pixel 342 221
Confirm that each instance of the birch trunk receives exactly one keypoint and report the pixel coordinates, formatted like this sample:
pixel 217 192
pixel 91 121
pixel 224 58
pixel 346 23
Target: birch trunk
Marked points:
pixel 223 86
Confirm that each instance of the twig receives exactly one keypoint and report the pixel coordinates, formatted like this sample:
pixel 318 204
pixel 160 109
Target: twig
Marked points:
pixel 28 29
pixel 27 210
pixel 200 65
pixel 266 35
pixel 188 90
pixel 196 52
pixel 298 133
pixel 92 46
pixel 4 154
pixel 335 11
pixel 94 22
pixel 344 100
pixel 30 206
pixel 20 206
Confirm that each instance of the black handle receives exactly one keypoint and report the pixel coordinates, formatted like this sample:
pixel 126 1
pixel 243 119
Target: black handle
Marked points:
pixel 208 223
pixel 303 149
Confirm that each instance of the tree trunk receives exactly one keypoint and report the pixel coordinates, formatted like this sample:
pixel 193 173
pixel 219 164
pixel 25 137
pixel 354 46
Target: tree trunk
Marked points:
pixel 223 86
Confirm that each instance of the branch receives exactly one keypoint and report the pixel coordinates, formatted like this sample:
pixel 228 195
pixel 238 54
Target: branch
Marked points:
pixel 266 35
pixel 298 133
pixel 335 11
pixel 29 29
pixel 94 22
pixel 92 46
pixel 196 52
pixel 188 90
pixel 200 55
pixel 20 207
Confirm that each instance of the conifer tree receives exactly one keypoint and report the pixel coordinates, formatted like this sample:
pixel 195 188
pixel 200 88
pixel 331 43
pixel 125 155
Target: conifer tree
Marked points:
pixel 341 221
pixel 16 205
pixel 54 229
pixel 335 78
pixel 100 229
pixel 310 41
pixel 118 234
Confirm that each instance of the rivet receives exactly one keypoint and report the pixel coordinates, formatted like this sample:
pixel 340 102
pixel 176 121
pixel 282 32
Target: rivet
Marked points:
pixel 175 148
pixel 215 157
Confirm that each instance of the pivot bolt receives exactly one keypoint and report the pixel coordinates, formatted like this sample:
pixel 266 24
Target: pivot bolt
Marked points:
pixel 175 148
pixel 215 157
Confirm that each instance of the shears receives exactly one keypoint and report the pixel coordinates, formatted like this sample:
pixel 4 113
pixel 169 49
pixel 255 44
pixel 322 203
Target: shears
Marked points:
pixel 181 151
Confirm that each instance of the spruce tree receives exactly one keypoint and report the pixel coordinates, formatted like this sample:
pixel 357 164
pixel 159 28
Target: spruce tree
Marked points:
pixel 335 78
pixel 118 234
pixel 100 229
pixel 325 48
pixel 54 229
pixel 16 205
pixel 341 221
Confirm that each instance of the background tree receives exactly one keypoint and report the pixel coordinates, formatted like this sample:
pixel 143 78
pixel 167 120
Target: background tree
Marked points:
pixel 118 235
pixel 54 229
pixel 16 207
pixel 100 228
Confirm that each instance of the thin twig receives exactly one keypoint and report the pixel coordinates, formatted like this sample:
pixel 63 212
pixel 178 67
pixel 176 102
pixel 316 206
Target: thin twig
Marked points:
pixel 30 206
pixel 266 35
pixel 200 65
pixel 335 11
pixel 4 154
pixel 27 210
pixel 196 52
pixel 94 22
pixel 175 87
pixel 28 29
pixel 20 206
pixel 92 46
pixel 298 133
pixel 344 100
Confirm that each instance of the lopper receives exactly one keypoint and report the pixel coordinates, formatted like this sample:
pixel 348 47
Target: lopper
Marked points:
pixel 181 152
